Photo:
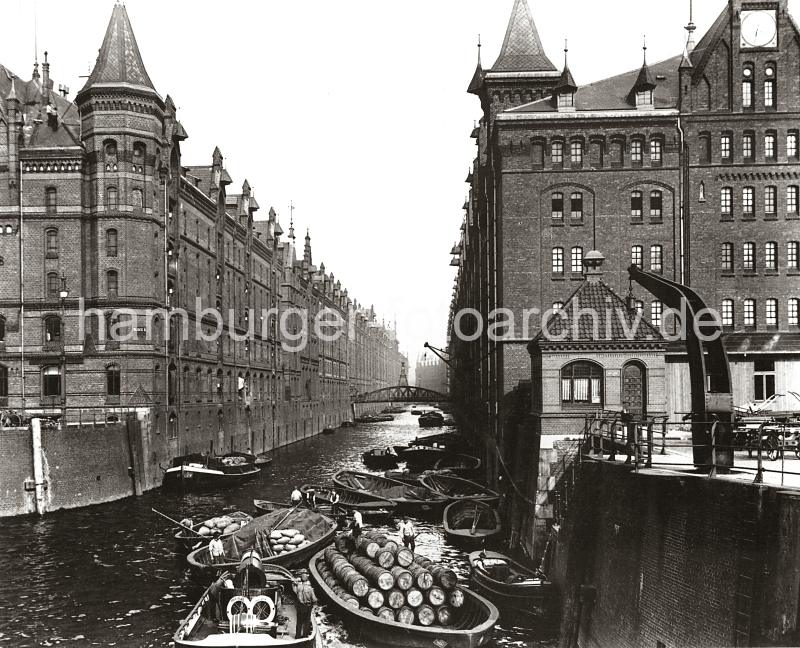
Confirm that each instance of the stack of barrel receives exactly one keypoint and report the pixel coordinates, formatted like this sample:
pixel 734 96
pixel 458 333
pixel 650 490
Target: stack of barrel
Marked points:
pixel 379 577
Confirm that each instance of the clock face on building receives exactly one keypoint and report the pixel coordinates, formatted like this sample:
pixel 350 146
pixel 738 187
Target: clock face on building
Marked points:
pixel 759 28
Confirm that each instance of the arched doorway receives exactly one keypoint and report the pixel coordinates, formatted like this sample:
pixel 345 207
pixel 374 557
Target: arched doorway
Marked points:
pixel 634 389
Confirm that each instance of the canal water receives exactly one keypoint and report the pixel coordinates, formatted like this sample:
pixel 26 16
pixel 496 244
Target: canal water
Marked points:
pixel 111 575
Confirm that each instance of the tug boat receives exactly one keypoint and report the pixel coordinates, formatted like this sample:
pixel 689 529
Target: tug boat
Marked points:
pixel 197 472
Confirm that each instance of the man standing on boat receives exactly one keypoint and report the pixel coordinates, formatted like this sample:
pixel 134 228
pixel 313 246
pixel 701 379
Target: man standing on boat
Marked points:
pixel 334 499
pixel 217 550
pixel 358 523
pixel 408 533
pixel 305 602
pixel 296 497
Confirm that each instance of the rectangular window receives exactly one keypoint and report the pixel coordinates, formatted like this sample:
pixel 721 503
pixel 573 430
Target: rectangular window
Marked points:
pixel 771 256
pixel 792 307
pixel 637 256
pixel 655 151
pixel 792 253
pixel 51 382
pixel 747 146
pixel 770 149
pixel 771 312
pixel 791 145
pixel 748 204
pixel 557 206
pixel 565 99
pixel 51 242
pixel 747 94
pixel 770 202
pixel 557 153
pixel 656 308
pixel 636 204
pixel 769 93
pixel 764 379
pixel 558 261
pixel 725 147
pixel 636 151
pixel 727 257
pixel 656 258
pixel 111 243
pixel 53 285
pixel 727 312
pixel 576 152
pixel 51 200
pixel 726 201
pixel 749 256
pixel 749 312
pixel 791 200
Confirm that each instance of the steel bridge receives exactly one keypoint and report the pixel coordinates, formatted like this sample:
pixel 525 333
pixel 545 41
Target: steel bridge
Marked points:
pixel 402 394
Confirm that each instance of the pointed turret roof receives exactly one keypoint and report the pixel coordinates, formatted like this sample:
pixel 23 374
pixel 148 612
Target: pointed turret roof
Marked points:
pixel 645 80
pixel 477 78
pixel 119 62
pixel 522 49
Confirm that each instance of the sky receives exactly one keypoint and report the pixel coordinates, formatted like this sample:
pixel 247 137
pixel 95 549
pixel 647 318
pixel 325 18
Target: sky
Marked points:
pixel 355 111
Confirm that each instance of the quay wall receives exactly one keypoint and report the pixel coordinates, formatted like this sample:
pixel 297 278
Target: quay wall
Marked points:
pixel 92 461
pixel 661 559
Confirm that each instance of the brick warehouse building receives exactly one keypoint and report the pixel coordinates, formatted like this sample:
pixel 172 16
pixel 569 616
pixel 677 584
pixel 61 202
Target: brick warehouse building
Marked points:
pixel 688 167
pixel 97 200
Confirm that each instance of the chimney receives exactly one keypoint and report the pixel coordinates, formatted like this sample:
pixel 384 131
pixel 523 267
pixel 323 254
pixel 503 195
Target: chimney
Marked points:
pixel 46 83
pixel 592 266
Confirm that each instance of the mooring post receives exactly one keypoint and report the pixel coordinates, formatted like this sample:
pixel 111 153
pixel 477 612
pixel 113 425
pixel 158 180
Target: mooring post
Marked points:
pixel 38 465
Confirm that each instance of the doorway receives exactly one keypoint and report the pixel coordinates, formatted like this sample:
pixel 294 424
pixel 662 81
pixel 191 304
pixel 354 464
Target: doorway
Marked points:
pixel 634 389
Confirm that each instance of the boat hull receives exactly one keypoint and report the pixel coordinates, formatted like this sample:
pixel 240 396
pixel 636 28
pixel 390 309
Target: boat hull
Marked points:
pixel 417 501
pixel 458 514
pixel 362 626
pixel 196 479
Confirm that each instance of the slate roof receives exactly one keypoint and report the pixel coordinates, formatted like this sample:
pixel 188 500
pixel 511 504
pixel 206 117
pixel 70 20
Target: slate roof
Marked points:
pixel 613 93
pixel 119 61
pixel 522 49
pixel 625 326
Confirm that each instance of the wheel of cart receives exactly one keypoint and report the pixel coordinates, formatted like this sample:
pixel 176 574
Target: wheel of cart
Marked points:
pixel 772 445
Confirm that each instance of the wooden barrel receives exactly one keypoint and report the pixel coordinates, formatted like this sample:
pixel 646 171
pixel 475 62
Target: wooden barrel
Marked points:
pixel 395 598
pixel 404 556
pixel 436 596
pixel 375 599
pixel 355 582
pixel 366 610
pixel 426 615
pixel 444 576
pixel 344 544
pixel 422 577
pixel 382 578
pixel 402 578
pixel 456 598
pixel 415 598
pixel 385 613
pixel 385 558
pixel 405 615
pixel 444 615
pixel 390 545
pixel 367 547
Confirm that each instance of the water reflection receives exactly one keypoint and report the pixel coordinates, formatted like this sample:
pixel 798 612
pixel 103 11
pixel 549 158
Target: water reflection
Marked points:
pixel 111 575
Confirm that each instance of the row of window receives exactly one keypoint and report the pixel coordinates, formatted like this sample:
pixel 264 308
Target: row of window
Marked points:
pixel 112 198
pixel 749 312
pixel 749 256
pixel 51 242
pixel 748 201
pixel 576 259
pixel 749 81
pixel 637 151
pixel 748 148
pixel 53 284
pixel 655 205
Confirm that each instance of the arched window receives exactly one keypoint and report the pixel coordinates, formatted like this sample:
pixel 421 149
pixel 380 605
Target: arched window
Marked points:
pixel 748 145
pixel 726 257
pixel 576 205
pixel 656 151
pixel 137 199
pixel 220 384
pixel 637 255
pixel 727 312
pixel 771 256
pixel 51 381
pixel 3 381
pixel 53 285
pixel 112 198
pixel 111 242
pixel 656 258
pixel 705 148
pixel 112 284
pixel 793 311
pixel 793 255
pixel 50 200
pixel 615 155
pixel 726 147
pixel 51 242
pixel 557 153
pixel 636 204
pixel 770 202
pixel 112 380
pixel 749 312
pixel 747 86
pixel 656 310
pixel 636 150
pixel 577 260
pixel 792 195
pixel 771 312
pixel 792 145
pixel 557 206
pixel 749 256
pixel 656 204
pixel 726 202
pixel 558 261
pixel 582 384
pixel 138 157
pixel 576 152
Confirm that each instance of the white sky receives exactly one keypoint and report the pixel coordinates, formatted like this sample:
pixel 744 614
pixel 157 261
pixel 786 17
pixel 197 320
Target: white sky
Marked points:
pixel 355 110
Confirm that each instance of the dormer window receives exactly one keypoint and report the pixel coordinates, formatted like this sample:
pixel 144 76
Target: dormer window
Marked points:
pixel 644 98
pixel 566 100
